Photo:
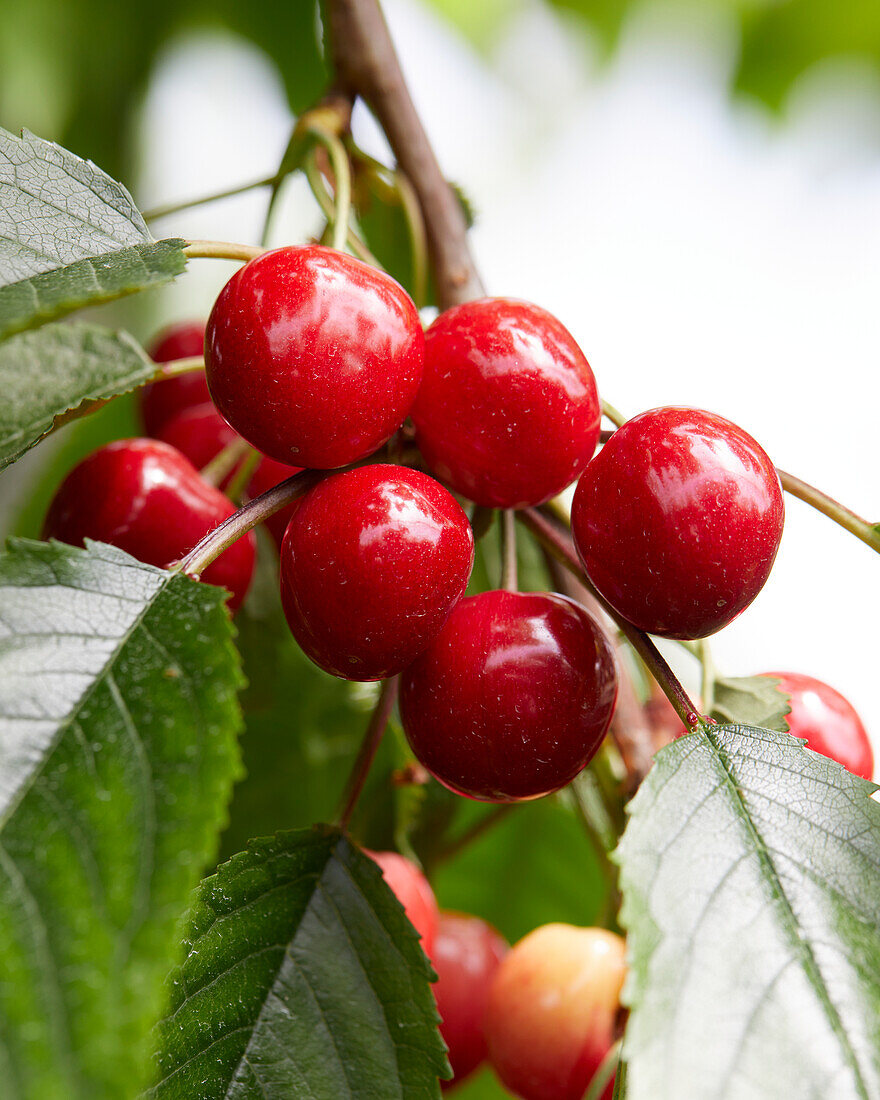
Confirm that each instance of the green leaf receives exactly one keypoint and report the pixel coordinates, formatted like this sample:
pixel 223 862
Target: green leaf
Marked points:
pixel 751 701
pixel 57 369
pixel 303 978
pixel 70 236
pixel 117 753
pixel 751 877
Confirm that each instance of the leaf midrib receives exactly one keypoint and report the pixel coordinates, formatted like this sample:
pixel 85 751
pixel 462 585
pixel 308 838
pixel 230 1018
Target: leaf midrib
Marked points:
pixel 801 946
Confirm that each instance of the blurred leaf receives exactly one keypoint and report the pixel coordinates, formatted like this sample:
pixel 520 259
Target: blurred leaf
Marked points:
pixel 536 865
pixel 481 1086
pixel 751 701
pixel 117 753
pixel 751 877
pixel 303 978
pixel 46 373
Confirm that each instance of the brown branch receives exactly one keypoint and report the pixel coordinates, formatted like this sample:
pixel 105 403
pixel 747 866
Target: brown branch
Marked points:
pixel 365 64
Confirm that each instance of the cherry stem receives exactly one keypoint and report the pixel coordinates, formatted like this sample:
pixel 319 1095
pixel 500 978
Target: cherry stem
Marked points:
pixel 248 517
pixel 225 461
pixel 222 250
pixel 342 183
pixel 418 237
pixel 509 577
pixel 328 206
pixel 474 832
pixel 610 413
pixel 177 367
pixel 176 207
pixel 562 549
pixel 369 747
pixel 242 476
pixel 605 1072
pixel 599 831
pixel 829 507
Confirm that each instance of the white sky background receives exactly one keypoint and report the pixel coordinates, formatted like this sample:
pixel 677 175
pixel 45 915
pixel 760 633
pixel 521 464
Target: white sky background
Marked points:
pixel 701 252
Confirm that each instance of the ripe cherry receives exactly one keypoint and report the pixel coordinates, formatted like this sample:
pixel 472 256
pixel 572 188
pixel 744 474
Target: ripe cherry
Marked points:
pixel 314 357
pixel 414 893
pixel 466 955
pixel 508 412
pixel 677 521
pixel 160 401
pixel 201 433
pixel 513 697
pixel 828 721
pixel 372 563
pixel 552 1011
pixel 149 500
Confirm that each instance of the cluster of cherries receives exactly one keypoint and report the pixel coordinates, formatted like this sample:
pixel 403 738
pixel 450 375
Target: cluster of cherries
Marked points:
pixel 319 362
pixel 545 1013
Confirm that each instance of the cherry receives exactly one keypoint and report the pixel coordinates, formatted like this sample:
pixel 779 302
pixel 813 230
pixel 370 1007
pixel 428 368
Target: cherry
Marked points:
pixel 677 521
pixel 149 500
pixel 162 400
pixel 827 721
pixel 508 412
pixel 372 563
pixel 201 433
pixel 313 356
pixel 414 893
pixel 552 1011
pixel 467 952
pixel 512 698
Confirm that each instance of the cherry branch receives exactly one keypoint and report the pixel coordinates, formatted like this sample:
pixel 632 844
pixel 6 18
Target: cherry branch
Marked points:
pixel 365 64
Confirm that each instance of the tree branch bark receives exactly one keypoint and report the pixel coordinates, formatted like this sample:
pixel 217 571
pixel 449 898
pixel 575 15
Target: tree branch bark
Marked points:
pixel 365 64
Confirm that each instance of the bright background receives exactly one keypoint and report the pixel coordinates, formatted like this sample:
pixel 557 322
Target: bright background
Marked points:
pixel 703 248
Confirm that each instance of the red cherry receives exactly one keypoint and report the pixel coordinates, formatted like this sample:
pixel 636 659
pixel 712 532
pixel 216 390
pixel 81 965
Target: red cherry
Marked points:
pixel 314 357
pixel 162 400
pixel 148 499
pixel 677 521
pixel 201 434
pixel 372 563
pixel 466 954
pixel 508 412
pixel 414 893
pixel 552 1011
pixel 513 697
pixel 828 721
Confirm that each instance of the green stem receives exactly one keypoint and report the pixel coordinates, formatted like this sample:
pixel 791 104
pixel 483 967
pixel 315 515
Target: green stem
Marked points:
pixel 224 461
pixel 369 747
pixel 509 578
pixel 222 250
pixel 561 547
pixel 591 812
pixel 474 832
pixel 177 367
pixel 605 1072
pixel 610 413
pixel 342 176
pixel 316 183
pixel 176 207
pixel 244 473
pixel 847 519
pixel 418 237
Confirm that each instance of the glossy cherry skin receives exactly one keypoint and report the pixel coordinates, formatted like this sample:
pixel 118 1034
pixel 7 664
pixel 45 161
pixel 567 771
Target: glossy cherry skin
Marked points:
pixel 149 500
pixel 414 893
pixel 160 401
pixel 677 521
pixel 314 357
pixel 552 1011
pixel 467 952
pixel 507 412
pixel 827 721
pixel 512 698
pixel 201 434
pixel 372 563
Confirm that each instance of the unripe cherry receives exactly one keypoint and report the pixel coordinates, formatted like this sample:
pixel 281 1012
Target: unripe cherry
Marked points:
pixel 414 893
pixel 149 500
pixel 507 412
pixel 314 357
pixel 372 563
pixel 512 698
pixel 552 1011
